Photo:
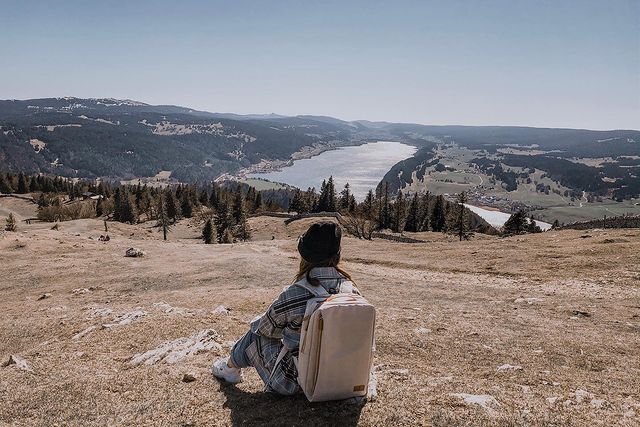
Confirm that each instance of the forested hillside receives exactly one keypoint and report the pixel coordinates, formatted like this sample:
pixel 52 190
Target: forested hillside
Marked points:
pixel 125 139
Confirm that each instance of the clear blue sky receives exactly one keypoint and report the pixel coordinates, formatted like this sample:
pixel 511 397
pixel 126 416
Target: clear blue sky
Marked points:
pixel 537 63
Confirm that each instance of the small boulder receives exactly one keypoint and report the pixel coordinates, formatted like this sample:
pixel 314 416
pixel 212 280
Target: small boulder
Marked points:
pixel 582 395
pixel 134 253
pixel 221 309
pixel 19 362
pixel 486 401
pixel 188 378
pixel 580 313
pixel 44 296
pixel 507 367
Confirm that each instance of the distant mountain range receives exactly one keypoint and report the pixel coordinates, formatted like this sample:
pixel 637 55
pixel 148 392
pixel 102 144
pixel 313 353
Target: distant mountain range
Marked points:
pixel 124 139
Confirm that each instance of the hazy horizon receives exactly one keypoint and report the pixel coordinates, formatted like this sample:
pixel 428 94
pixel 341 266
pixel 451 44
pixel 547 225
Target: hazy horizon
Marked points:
pixel 549 64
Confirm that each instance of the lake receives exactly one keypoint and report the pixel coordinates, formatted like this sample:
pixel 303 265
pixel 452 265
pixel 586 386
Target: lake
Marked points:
pixel 362 166
pixel 497 218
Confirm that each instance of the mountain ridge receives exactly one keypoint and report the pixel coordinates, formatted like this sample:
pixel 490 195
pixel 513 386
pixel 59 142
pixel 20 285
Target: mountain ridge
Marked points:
pixel 124 139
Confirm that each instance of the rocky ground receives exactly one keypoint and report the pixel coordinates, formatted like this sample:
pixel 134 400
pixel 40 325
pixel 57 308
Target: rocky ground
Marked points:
pixel 533 330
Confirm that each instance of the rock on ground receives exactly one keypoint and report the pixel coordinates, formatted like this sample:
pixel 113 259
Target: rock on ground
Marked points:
pixel 84 332
pixel 221 309
pixel 19 362
pixel 507 367
pixel 485 400
pixel 174 351
pixel 188 378
pixel 126 318
pixel 134 253
pixel 168 308
pixel 582 395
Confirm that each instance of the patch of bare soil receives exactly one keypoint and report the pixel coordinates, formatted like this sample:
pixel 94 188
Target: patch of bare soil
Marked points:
pixel 533 330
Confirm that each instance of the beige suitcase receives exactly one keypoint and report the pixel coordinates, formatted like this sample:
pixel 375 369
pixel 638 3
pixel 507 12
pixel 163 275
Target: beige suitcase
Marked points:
pixel 336 345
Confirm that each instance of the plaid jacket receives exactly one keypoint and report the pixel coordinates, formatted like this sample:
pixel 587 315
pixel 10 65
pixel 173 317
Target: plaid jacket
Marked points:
pixel 281 325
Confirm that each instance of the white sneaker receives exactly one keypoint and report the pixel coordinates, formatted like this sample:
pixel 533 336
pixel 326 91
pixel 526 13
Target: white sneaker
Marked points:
pixel 223 372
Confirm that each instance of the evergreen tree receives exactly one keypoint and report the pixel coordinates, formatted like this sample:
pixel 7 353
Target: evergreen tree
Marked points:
pixel 186 206
pixel 384 213
pixel 344 201
pixel 33 185
pixel 332 202
pixel 213 197
pixel 241 230
pixel 117 204
pixel 368 206
pixel 438 215
pixel 516 224
pixel 171 205
pixel 99 208
pixel 297 203
pixel 163 216
pixel 327 201
pixel 322 198
pixel 238 205
pixel 412 221
pixel 4 185
pixel 353 204
pixel 311 200
pixel 423 212
pixel 257 202
pixel 11 224
pixel 22 184
pixel 207 232
pixel 145 204
pixel 138 194
pixel 127 209
pixel 223 220
pixel 533 227
pixel 458 218
pixel 399 210
pixel 203 199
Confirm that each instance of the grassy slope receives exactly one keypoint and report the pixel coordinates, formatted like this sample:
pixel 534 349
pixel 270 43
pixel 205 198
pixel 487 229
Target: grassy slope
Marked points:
pixel 463 294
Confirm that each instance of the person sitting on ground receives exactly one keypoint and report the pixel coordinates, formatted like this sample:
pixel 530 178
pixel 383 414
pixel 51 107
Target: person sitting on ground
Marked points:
pixel 280 326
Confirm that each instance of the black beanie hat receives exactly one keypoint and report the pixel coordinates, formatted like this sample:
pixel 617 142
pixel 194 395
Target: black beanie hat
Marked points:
pixel 321 242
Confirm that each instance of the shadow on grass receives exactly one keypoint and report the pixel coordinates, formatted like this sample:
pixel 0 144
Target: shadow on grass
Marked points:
pixel 268 409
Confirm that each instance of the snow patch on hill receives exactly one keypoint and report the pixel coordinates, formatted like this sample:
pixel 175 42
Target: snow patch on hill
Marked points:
pixel 51 128
pixel 109 122
pixel 37 145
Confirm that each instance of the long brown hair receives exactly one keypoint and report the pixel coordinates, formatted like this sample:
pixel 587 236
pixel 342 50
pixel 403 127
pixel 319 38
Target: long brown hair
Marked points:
pixel 306 266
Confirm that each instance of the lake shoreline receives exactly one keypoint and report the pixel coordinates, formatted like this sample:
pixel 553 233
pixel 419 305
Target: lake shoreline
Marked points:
pixel 306 152
pixel 362 164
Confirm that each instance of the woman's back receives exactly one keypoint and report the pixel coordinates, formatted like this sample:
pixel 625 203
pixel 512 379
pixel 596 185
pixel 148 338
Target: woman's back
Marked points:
pixel 284 317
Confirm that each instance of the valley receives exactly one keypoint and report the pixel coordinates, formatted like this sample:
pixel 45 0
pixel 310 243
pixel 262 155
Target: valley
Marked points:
pixel 554 174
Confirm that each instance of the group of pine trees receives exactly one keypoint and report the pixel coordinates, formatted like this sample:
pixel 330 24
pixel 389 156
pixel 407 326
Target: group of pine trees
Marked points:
pixel 426 212
pixel 224 209
pixel 23 184
pixel 519 223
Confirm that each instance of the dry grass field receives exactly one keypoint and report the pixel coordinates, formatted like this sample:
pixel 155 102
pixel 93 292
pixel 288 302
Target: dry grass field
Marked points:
pixel 532 330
